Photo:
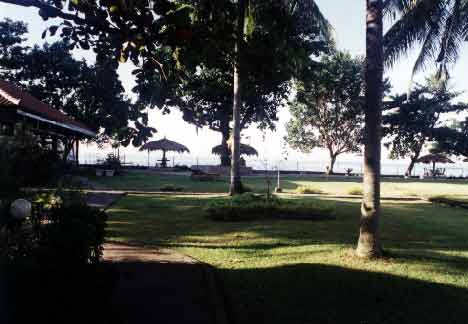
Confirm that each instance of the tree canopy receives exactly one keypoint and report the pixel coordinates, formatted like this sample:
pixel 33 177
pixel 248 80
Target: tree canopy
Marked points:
pixel 328 108
pixel 419 118
pixel 90 93
pixel 439 27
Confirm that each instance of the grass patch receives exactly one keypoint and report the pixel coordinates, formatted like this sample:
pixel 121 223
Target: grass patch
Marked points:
pixel 152 181
pixel 308 190
pixel 285 271
pixel 355 191
pixel 449 201
pixel 171 188
pixel 248 207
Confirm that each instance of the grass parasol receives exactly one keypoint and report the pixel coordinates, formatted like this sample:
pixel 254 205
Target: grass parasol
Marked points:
pixel 244 150
pixel 434 158
pixel 164 145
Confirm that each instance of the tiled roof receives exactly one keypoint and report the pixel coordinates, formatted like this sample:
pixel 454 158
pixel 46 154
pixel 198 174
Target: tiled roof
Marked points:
pixel 11 95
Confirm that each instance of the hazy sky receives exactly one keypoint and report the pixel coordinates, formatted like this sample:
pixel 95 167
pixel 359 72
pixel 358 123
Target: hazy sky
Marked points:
pixel 348 20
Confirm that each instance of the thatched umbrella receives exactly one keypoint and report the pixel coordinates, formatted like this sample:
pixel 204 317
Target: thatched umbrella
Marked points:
pixel 244 150
pixel 434 158
pixel 164 145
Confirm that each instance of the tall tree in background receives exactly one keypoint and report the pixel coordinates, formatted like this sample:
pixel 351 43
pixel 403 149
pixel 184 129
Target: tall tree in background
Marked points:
pixel 235 186
pixel 421 117
pixel 90 93
pixel 328 109
pixel 369 241
pixel 154 34
pixel 205 99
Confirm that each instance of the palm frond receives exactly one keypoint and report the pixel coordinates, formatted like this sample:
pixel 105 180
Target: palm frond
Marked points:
pixel 438 26
pixel 413 27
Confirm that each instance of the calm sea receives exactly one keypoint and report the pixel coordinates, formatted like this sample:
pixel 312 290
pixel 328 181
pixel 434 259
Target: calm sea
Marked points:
pixel 390 167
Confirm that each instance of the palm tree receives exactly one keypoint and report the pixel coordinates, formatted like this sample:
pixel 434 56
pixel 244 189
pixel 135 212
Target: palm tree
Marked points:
pixel 310 14
pixel 439 26
pixel 369 243
pixel 236 185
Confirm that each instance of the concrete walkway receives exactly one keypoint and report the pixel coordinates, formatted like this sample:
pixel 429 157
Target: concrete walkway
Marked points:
pixel 158 285
pixel 162 286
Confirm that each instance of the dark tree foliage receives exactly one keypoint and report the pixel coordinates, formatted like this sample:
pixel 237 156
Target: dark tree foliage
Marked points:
pixel 438 27
pixel 328 109
pixel 278 43
pixel 420 118
pixel 454 138
pixel 90 93
pixel 168 39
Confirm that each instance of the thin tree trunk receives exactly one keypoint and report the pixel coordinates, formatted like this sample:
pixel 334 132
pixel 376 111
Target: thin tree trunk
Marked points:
pixel 414 158
pixel 236 186
pixel 410 168
pixel 332 163
pixel 225 154
pixel 77 153
pixel 369 242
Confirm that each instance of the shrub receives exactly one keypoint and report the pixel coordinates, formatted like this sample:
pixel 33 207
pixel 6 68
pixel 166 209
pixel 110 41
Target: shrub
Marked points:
pixel 171 188
pixel 307 190
pixel 113 163
pixel 51 265
pixel 449 201
pixel 24 163
pixel 245 188
pixel 256 207
pixel 75 235
pixel 355 191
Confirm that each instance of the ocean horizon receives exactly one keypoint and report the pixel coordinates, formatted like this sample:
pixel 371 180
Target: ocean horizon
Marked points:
pixel 389 167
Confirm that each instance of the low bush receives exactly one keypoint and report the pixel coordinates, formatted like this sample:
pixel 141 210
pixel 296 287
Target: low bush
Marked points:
pixel 245 188
pixel 51 263
pixel 307 190
pixel 112 162
pixel 449 201
pixel 355 191
pixel 171 188
pixel 74 236
pixel 247 207
pixel 24 163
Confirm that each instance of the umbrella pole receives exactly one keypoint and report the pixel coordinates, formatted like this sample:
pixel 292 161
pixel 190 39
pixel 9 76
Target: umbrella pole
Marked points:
pixel 148 159
pixel 433 169
pixel 163 162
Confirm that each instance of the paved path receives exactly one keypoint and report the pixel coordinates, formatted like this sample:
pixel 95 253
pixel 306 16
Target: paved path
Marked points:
pixel 161 286
pixel 158 285
pixel 103 199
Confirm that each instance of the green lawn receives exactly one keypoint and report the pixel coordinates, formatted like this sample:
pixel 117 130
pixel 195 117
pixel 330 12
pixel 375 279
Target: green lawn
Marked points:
pixel 305 271
pixel 151 181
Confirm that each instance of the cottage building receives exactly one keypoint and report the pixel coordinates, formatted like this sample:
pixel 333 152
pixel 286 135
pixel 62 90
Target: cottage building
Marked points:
pixel 52 127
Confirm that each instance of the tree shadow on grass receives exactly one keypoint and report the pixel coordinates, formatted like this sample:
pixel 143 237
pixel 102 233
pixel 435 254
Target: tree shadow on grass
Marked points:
pixel 414 231
pixel 323 294
pixel 170 219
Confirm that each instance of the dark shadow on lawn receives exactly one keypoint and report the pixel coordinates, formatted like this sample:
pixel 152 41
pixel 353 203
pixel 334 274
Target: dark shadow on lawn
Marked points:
pixel 322 294
pixel 161 292
pixel 410 231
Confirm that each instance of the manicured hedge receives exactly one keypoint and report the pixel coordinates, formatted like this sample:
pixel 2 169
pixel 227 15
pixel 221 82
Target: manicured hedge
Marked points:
pixel 248 207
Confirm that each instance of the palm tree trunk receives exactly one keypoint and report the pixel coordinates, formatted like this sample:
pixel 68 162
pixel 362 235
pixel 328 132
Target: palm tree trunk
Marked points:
pixel 225 154
pixel 369 242
pixel 236 186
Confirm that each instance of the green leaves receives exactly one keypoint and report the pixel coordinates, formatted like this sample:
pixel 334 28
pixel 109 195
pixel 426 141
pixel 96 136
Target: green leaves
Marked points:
pixel 439 26
pixel 419 118
pixel 328 109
